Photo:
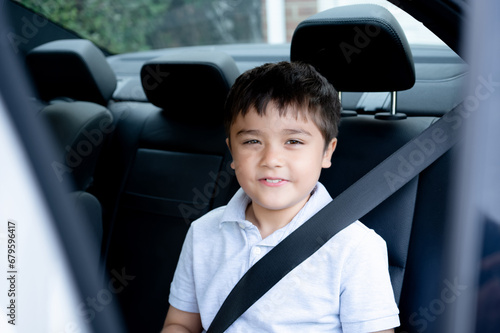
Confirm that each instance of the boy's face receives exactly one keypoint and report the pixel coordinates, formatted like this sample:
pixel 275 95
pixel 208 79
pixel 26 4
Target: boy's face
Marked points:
pixel 278 159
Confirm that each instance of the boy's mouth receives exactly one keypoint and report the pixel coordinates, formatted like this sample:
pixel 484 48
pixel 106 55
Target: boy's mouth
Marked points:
pixel 273 181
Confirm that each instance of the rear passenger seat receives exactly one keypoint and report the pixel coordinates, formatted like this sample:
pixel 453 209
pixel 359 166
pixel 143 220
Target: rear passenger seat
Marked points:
pixel 412 221
pixel 167 165
pixel 74 83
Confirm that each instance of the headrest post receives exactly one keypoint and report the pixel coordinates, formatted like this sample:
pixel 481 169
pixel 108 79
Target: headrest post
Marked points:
pixel 391 115
pixel 344 113
pixel 393 102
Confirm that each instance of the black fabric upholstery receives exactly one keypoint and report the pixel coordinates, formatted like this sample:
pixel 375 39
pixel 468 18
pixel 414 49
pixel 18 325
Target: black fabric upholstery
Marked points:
pixel 423 280
pixel 80 130
pixel 168 165
pixel 190 86
pixel 73 68
pixel 88 205
pixel 169 173
pixel 358 48
pixel 161 183
pixel 375 57
pixel 364 142
pixel 69 70
pixel 362 48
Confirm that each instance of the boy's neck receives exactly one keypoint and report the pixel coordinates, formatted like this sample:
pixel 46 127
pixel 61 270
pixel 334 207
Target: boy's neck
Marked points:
pixel 268 221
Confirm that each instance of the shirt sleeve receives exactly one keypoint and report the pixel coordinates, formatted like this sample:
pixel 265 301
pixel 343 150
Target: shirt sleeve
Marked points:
pixel 367 300
pixel 182 290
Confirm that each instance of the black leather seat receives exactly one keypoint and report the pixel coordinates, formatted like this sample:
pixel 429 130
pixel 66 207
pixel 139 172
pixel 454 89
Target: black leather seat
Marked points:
pixel 75 82
pixel 362 48
pixel 78 131
pixel 168 165
pixel 75 79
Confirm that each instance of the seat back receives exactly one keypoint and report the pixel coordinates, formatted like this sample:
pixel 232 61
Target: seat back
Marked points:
pixel 79 129
pixel 75 82
pixel 362 48
pixel 168 165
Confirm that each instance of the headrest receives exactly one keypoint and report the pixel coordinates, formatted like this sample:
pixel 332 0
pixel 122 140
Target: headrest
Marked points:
pixel 73 68
pixel 190 86
pixel 358 48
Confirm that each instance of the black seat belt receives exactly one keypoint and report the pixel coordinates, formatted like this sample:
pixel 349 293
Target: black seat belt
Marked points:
pixel 352 204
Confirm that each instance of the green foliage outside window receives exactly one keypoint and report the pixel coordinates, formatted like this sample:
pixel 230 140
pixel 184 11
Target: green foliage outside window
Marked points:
pixel 124 26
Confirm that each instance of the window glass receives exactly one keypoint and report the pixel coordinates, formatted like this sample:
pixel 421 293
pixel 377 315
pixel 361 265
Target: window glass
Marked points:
pixel 125 26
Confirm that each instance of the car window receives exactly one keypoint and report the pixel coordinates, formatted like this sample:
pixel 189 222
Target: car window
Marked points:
pixel 126 26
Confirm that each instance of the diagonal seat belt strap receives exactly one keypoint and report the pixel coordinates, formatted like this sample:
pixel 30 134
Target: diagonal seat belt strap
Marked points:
pixel 356 201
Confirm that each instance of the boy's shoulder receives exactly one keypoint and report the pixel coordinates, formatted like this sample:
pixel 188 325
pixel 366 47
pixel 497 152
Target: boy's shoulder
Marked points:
pixel 212 218
pixel 358 236
pixel 359 228
pixel 359 231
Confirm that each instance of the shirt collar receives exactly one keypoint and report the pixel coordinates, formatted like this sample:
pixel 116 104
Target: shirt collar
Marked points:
pixel 235 209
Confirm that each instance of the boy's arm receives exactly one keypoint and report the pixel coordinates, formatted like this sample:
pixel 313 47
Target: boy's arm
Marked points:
pixel 385 331
pixel 179 321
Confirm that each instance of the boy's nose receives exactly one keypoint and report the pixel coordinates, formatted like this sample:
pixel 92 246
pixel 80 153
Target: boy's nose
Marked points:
pixel 271 157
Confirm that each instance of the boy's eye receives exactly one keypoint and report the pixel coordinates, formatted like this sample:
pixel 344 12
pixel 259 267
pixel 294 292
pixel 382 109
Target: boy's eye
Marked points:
pixel 293 142
pixel 251 142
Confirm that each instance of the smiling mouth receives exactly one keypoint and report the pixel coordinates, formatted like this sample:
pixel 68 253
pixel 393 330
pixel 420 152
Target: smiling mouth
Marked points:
pixel 273 181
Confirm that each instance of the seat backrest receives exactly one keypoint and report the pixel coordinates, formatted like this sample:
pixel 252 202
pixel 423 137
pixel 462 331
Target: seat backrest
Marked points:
pixel 79 129
pixel 168 165
pixel 74 81
pixel 362 48
pixel 74 77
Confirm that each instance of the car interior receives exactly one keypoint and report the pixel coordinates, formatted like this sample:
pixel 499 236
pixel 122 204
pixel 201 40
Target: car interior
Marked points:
pixel 141 140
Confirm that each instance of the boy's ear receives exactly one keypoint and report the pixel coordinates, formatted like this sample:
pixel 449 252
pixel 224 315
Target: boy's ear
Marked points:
pixel 327 156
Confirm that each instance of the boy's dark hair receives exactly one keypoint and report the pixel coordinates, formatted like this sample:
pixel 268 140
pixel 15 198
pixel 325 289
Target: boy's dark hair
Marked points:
pixel 291 86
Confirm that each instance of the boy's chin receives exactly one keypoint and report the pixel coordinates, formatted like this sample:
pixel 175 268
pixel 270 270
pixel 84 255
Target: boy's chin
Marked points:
pixel 279 206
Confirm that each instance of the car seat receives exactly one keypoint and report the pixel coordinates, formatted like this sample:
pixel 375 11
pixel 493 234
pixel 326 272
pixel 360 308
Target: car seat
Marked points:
pixel 168 164
pixel 362 48
pixel 74 83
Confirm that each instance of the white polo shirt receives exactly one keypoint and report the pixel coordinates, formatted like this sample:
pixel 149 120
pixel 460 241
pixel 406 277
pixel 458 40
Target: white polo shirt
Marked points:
pixel 343 287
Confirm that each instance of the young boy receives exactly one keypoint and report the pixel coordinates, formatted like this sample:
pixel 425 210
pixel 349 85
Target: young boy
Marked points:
pixel 281 121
